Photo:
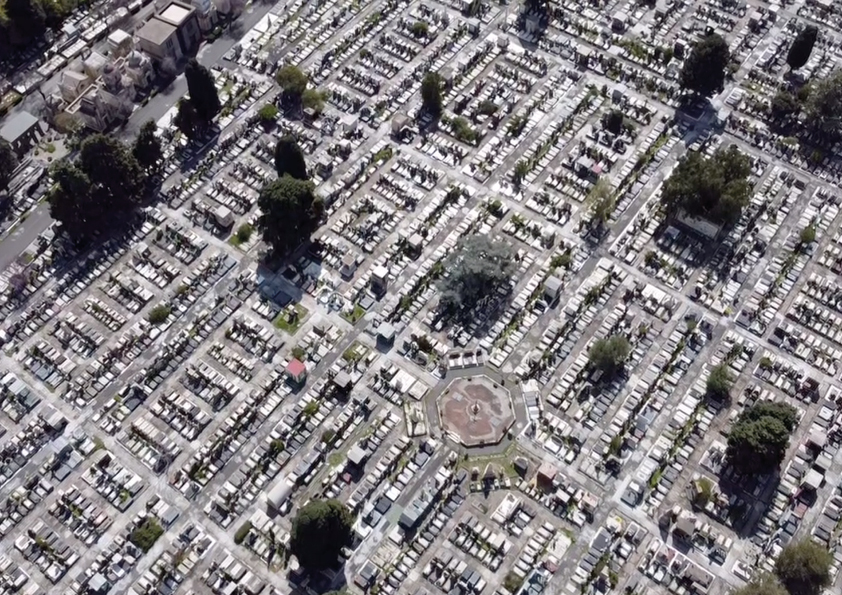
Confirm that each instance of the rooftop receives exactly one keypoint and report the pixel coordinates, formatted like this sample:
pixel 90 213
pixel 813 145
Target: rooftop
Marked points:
pixel 175 13
pixel 17 125
pixel 156 31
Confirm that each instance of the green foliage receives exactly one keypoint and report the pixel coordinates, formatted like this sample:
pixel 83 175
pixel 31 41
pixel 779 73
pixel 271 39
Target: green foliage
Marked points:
pixel 784 108
pixel 487 108
pixel 106 183
pixel 268 114
pixel 601 201
pixel 290 212
pixel 313 99
pixel 613 121
pixel 704 69
pixel 202 90
pixel 27 21
pixel 147 147
pixel 716 189
pixel 478 267
pixel 159 314
pixel 463 131
pixel 759 438
pixel 419 29
pixel 704 493
pixel 328 436
pixel 765 584
pixel 522 169
pixel 824 106
pixel 808 235
pixel 293 82
pixel 146 534
pixel 609 354
pixel 432 101
pixel 244 232
pixel 242 532
pixel 719 383
pixel 289 159
pixel 804 568
pixel 8 163
pixel 512 582
pixel 319 532
pixel 187 119
pixel 802 47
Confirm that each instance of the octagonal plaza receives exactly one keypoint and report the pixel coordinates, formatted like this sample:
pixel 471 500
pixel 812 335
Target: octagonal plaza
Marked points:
pixel 476 411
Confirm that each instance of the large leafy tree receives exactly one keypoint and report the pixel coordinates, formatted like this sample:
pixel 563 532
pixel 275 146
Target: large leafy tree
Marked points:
pixel 703 72
pixel 431 94
pixel 804 568
pixel 186 119
pixel 477 268
pixel 765 584
pixel 290 212
pixel 293 83
pixel 759 438
pixel 824 107
pixel 719 383
pixel 609 354
pixel 319 532
pixel 147 147
pixel 90 196
pixel 802 47
pixel 784 108
pixel 27 20
pixel 716 189
pixel 289 159
pixel 8 163
pixel 202 89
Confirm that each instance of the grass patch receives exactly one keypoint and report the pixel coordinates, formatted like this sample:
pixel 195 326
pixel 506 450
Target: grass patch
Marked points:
pixel 146 534
pixel 354 353
pixel 242 532
pixel 503 461
pixel 289 322
pixel 353 316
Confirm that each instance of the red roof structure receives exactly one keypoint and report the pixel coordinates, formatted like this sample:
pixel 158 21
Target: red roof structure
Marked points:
pixel 296 368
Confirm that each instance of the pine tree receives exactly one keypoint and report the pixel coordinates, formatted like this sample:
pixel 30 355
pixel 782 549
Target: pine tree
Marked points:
pixel 202 89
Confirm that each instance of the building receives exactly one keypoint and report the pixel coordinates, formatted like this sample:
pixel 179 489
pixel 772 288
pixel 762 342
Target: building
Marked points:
pixel 172 33
pixel 279 494
pixel 22 130
pixel 297 371
pixel 120 43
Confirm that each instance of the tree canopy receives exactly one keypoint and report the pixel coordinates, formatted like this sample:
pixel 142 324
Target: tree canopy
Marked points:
pixel 759 438
pixel 477 268
pixel 609 354
pixel 147 147
pixel 319 532
pixel 784 108
pixel 802 47
pixel 716 189
pixel 765 584
pixel 719 383
pixel 289 158
pixel 290 212
pixel 202 89
pixel 804 567
pixel 431 94
pixel 704 69
pixel 8 163
pixel 293 82
pixel 824 107
pixel 106 182
pixel 27 20
pixel 186 119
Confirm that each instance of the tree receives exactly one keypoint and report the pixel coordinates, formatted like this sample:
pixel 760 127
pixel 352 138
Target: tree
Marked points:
pixel 804 567
pixel 765 584
pixel 313 99
pixel 716 189
pixel 290 212
pixel 186 119
pixel 601 201
pixel 613 121
pixel 807 235
pixel 719 383
pixel 27 20
pixel 802 47
pixel 431 94
pixel 759 438
pixel 477 268
pixel 293 82
pixel 704 69
pixel 147 147
pixel 289 159
pixel 106 184
pixel 319 532
pixel 609 354
pixel 268 114
pixel 8 163
pixel 783 108
pixel 824 107
pixel 202 90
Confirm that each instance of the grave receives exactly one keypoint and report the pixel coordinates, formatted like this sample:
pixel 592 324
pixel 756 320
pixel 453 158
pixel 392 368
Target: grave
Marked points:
pixel 476 411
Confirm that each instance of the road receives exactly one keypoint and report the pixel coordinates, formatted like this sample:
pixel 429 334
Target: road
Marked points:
pixel 13 244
